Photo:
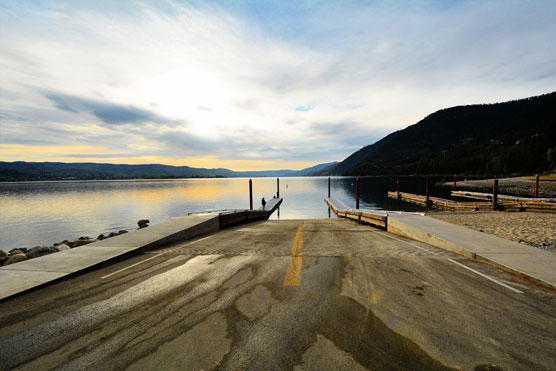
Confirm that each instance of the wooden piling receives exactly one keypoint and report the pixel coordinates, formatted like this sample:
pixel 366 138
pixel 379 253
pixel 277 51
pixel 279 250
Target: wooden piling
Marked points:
pixel 357 193
pixel 537 186
pixel 250 194
pixel 495 194
pixel 427 190
pixel 278 187
pixel 455 182
pixel 328 187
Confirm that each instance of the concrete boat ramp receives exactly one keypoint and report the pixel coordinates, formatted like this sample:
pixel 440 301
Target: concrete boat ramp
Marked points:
pixel 232 290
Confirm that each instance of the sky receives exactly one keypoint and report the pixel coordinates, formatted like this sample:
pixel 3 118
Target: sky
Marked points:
pixel 253 85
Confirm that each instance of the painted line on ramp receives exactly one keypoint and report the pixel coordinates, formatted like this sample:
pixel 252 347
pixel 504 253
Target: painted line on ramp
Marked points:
pixel 293 274
pixel 487 277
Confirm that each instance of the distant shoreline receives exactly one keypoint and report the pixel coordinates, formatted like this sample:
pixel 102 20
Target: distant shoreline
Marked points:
pixel 476 182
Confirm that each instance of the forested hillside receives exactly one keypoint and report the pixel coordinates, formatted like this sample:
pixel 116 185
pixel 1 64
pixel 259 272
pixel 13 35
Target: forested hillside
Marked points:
pixel 23 171
pixel 516 136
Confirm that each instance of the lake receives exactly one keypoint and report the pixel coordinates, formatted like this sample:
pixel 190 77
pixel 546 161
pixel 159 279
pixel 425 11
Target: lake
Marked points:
pixel 33 213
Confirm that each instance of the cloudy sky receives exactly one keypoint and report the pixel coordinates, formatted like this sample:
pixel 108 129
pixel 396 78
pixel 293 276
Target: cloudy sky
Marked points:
pixel 253 84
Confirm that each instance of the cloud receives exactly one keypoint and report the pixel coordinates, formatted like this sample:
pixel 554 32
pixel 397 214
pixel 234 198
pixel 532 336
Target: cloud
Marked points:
pixel 258 81
pixel 108 113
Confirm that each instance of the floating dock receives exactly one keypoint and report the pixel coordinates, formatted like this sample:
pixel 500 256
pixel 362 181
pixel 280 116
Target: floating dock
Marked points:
pixel 376 218
pixel 504 202
pixel 525 203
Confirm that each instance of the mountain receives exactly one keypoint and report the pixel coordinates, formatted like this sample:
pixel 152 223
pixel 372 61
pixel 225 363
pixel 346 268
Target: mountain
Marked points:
pixel 21 171
pixel 515 136
pixel 315 169
pixel 58 170
pixel 265 173
pixel 285 173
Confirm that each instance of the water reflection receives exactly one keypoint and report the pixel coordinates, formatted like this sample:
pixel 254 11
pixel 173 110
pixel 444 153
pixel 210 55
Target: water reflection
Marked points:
pixel 45 212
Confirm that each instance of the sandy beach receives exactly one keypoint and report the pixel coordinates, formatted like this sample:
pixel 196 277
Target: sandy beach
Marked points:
pixel 518 186
pixel 535 229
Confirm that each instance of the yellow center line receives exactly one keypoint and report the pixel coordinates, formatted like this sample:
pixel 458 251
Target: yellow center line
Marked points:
pixel 293 274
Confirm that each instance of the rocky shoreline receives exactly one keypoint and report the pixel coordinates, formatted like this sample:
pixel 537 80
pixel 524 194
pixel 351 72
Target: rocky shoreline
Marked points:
pixel 21 254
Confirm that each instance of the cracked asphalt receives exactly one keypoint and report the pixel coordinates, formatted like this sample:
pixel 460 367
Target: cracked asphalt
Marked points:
pixel 282 295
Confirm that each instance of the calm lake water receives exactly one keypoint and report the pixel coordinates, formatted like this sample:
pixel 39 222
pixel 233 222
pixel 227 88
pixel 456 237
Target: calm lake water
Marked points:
pixel 33 213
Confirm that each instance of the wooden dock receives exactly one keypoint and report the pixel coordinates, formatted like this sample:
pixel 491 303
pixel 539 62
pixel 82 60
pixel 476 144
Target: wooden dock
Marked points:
pixel 504 202
pixel 373 217
pixel 488 196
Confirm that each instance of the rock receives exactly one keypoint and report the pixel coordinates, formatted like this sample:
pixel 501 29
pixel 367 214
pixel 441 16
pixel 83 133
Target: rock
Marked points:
pixel 81 242
pixel 3 254
pixel 101 237
pixel 3 259
pixel 64 242
pixel 37 251
pixel 122 231
pixel 20 249
pixel 112 234
pixel 143 223
pixel 61 247
pixel 84 238
pixel 36 248
pixel 15 259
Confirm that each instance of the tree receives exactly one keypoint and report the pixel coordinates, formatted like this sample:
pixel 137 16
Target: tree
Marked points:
pixel 551 157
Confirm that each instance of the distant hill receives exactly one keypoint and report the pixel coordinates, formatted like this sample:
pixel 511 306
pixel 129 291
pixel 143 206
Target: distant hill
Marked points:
pixel 487 138
pixel 315 169
pixel 23 171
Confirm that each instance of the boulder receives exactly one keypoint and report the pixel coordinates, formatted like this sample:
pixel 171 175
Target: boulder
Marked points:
pixel 3 254
pixel 143 223
pixel 62 247
pixel 22 250
pixel 112 234
pixel 101 237
pixel 3 259
pixel 122 231
pixel 81 242
pixel 37 251
pixel 15 259
pixel 64 242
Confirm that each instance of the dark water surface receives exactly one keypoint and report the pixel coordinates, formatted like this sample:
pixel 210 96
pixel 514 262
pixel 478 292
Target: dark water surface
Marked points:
pixel 33 213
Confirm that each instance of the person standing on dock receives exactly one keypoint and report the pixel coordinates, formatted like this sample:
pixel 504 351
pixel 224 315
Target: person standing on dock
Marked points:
pixel 263 202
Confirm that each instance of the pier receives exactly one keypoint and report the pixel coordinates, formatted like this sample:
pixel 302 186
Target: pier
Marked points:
pixel 485 201
pixel 367 289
